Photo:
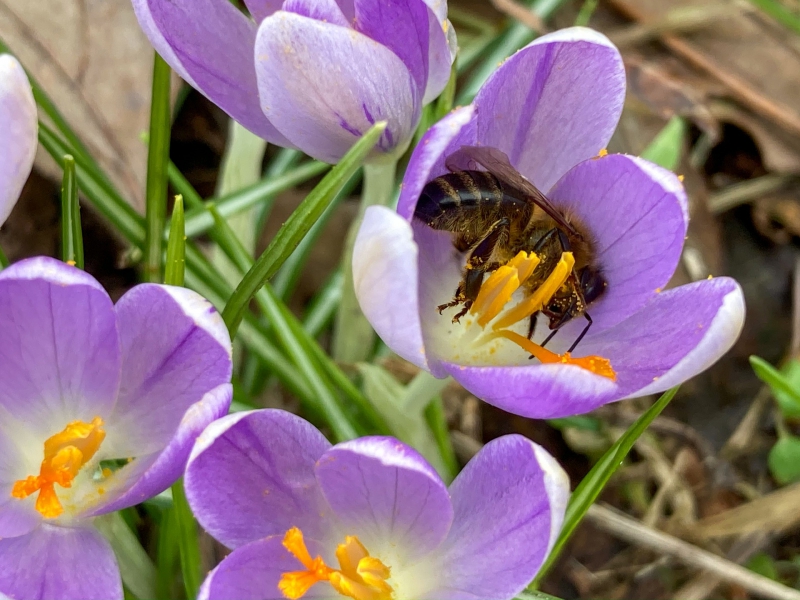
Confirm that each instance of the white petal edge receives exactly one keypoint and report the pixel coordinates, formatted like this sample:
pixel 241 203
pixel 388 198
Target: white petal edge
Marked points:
pixel 722 333
pixel 556 483
pixel 203 313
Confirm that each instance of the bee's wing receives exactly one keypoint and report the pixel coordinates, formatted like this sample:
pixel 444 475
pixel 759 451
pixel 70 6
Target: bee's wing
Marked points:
pixel 496 162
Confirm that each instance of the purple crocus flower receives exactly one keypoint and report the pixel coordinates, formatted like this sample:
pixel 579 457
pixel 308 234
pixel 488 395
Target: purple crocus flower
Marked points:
pixel 368 519
pixel 551 108
pixel 310 74
pixel 99 408
pixel 18 129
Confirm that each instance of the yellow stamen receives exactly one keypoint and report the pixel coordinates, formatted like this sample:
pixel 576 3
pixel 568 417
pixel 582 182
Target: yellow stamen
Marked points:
pixel 360 576
pixel 596 364
pixel 497 290
pixel 536 301
pixel 65 453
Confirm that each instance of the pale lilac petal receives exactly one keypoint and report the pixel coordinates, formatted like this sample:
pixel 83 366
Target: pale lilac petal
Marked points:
pixel 16 517
pixel 175 348
pixel 251 475
pixel 554 103
pixel 427 160
pixel 18 129
pixel 253 571
pixel 210 44
pixel 385 493
pixel 637 214
pixel 67 563
pixel 59 347
pixel 509 504
pixel 385 280
pixel 538 391
pixel 150 475
pixel 402 26
pixel 324 86
pixel 321 10
pixel 440 55
pixel 261 9
pixel 679 334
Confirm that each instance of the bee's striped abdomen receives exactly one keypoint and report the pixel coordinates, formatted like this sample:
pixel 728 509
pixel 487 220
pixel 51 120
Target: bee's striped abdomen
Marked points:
pixel 462 191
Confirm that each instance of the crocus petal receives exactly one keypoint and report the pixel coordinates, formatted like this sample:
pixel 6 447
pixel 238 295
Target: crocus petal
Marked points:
pixel 59 347
pixel 253 571
pixel 210 44
pixel 18 127
pixel 509 504
pixel 537 391
pixel 428 155
pixel 251 475
pixel 175 348
pixel 401 26
pixel 59 562
pixel 323 86
pixel 148 476
pixel 637 213
pixel 679 334
pixel 321 10
pixel 441 54
pixel 387 494
pixel 554 103
pixel 16 518
pixel 385 280
pixel 261 9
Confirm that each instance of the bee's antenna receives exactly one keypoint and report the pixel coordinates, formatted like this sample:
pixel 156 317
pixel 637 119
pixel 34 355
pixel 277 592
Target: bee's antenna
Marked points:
pixel 583 333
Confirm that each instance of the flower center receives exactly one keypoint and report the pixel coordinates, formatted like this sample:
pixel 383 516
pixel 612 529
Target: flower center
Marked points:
pixel 496 292
pixel 360 576
pixel 65 453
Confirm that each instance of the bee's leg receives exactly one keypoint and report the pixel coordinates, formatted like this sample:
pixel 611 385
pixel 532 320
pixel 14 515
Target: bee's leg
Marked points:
pixel 544 240
pixel 458 298
pixel 583 333
pixel 532 325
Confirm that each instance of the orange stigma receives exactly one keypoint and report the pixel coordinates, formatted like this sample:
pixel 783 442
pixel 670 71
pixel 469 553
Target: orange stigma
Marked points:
pixel 360 576
pixel 65 453
pixel 498 290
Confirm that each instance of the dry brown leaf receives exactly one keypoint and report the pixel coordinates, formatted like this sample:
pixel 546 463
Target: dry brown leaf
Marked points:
pixel 774 512
pixel 91 57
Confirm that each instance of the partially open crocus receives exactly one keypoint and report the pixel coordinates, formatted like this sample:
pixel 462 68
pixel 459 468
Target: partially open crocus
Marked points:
pixel 312 74
pixel 18 128
pixel 551 109
pixel 368 519
pixel 99 408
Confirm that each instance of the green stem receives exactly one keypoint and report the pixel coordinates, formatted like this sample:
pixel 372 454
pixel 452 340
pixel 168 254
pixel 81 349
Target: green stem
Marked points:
pixel 71 233
pixel 187 540
pixel 157 159
pixel 353 336
pixel 176 246
pixel 3 260
pixel 437 421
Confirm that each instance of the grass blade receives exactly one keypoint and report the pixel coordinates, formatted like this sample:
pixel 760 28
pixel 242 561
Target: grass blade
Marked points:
pixel 187 540
pixel 296 227
pixel 71 233
pixel 176 246
pixel 589 489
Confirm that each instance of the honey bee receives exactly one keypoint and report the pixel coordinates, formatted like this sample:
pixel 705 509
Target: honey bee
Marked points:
pixel 496 213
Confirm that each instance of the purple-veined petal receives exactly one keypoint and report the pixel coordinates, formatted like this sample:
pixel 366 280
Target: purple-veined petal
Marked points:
pixel 401 26
pixel 210 44
pixel 18 128
pixel 69 563
pixel 439 8
pixel 261 9
pixel 509 504
pixel 637 214
pixel 175 348
pixel 554 103
pixel 59 347
pixel 251 475
pixel 324 86
pixel 385 493
pixel 385 280
pixel 538 391
pixel 327 11
pixel 151 475
pixel 253 571
pixel 427 160
pixel 680 333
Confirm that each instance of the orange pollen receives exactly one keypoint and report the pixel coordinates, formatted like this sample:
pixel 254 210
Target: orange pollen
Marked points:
pixel 497 291
pixel 65 453
pixel 360 576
